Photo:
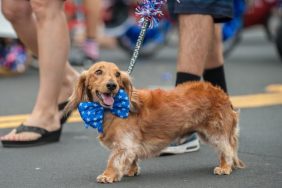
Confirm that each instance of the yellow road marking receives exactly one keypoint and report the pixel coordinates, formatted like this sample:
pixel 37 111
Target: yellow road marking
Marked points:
pixel 13 117
pixel 258 100
pixel 274 97
pixel 275 88
pixel 15 120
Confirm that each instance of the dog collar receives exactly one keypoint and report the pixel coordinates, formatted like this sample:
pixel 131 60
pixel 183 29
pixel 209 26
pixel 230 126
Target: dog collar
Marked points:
pixel 92 113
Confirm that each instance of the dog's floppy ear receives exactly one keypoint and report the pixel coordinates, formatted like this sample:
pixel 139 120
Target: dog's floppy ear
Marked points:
pixel 78 94
pixel 126 82
pixel 127 85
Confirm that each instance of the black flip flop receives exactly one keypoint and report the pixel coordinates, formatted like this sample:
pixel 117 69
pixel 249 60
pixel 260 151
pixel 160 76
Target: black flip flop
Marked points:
pixel 46 136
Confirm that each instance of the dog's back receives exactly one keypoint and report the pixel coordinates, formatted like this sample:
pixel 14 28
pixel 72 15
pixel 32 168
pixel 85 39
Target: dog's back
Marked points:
pixel 187 108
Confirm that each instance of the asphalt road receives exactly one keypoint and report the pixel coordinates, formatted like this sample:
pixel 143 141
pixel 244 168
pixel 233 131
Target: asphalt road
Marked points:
pixel 78 159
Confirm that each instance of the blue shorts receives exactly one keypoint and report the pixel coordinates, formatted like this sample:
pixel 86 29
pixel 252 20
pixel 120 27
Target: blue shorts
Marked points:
pixel 220 10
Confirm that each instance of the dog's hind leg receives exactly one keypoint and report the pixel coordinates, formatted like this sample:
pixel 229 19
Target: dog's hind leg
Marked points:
pixel 226 142
pixel 226 155
pixel 225 165
pixel 237 163
pixel 228 152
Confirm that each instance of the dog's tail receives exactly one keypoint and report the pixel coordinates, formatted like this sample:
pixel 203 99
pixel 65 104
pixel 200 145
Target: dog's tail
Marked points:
pixel 237 163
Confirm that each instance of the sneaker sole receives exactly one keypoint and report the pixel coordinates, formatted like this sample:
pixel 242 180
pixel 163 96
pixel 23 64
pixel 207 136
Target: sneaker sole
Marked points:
pixel 184 148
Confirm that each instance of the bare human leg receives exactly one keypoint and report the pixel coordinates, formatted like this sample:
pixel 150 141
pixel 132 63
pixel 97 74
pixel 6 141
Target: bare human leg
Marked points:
pixel 214 68
pixel 194 42
pixel 56 77
pixel 215 58
pixel 93 21
pixel 93 17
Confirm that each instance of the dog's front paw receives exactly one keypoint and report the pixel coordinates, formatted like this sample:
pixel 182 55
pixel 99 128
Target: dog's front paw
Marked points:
pixel 222 171
pixel 107 179
pixel 133 171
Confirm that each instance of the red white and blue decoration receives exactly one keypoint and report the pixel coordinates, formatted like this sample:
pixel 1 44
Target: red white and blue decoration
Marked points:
pixel 149 12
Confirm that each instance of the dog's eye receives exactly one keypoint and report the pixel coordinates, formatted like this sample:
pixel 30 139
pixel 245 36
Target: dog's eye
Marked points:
pixel 98 72
pixel 117 74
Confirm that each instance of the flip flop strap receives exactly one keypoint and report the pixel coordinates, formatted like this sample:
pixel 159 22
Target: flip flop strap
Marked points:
pixel 38 130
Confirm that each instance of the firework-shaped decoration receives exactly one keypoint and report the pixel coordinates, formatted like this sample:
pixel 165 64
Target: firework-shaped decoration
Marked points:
pixel 149 12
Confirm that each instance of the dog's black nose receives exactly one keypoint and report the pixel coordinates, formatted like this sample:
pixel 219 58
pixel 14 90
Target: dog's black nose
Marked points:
pixel 111 86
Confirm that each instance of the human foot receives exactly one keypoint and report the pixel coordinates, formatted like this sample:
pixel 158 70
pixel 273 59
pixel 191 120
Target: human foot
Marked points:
pixel 91 49
pixel 31 134
pixel 46 137
pixel 48 121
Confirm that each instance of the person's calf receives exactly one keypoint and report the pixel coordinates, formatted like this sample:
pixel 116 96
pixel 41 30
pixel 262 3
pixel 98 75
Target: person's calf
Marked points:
pixel 70 78
pixel 16 11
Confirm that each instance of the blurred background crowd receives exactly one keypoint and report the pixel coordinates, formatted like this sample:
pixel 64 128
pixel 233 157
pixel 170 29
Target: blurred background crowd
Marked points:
pixel 112 24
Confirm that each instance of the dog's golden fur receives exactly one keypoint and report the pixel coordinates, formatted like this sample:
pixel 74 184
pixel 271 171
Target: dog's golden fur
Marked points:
pixel 158 117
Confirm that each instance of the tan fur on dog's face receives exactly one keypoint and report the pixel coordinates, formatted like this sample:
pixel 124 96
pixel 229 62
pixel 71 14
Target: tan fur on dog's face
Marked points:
pixel 157 117
pixel 94 82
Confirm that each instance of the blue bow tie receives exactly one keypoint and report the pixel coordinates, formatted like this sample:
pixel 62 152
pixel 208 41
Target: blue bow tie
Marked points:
pixel 92 113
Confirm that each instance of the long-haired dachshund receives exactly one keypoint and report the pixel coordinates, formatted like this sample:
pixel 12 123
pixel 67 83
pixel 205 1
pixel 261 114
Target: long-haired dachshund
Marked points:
pixel 156 118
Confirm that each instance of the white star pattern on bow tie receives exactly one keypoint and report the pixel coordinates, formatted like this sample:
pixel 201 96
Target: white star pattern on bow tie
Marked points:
pixel 93 113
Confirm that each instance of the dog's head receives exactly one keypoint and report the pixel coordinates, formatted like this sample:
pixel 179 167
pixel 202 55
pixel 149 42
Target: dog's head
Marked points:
pixel 100 83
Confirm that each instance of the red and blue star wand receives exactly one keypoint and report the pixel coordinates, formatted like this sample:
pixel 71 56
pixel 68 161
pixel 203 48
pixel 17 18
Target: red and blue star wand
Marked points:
pixel 149 12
